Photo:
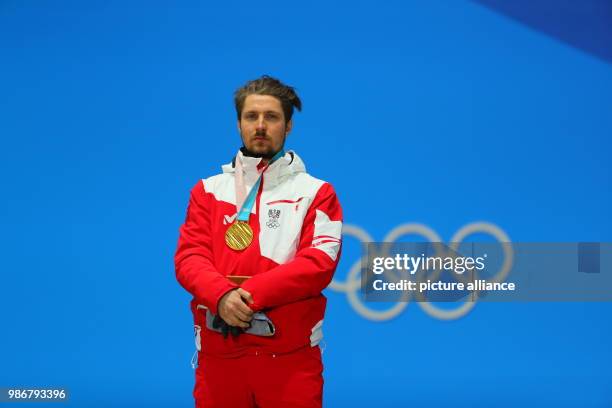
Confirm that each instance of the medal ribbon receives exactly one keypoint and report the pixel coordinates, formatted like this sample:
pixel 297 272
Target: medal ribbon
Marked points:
pixel 247 204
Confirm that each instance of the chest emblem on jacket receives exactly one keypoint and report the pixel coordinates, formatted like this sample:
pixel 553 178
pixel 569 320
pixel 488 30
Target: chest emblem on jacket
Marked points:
pixel 273 215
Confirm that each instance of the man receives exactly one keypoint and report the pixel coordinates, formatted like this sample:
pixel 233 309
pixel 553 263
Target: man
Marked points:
pixel 260 242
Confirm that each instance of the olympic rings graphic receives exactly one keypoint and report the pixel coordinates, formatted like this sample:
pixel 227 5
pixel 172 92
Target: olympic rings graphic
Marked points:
pixel 352 285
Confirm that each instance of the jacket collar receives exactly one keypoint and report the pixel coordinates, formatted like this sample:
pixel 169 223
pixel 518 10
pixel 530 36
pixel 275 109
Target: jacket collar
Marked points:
pixel 289 164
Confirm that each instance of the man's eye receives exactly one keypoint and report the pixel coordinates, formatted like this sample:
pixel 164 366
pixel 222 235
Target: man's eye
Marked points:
pixel 250 116
pixel 272 116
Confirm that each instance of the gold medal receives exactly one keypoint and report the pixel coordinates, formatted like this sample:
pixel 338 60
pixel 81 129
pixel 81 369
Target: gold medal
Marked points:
pixel 239 236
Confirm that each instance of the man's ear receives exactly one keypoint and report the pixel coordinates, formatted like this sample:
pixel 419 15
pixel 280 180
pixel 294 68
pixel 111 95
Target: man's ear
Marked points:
pixel 288 127
pixel 238 122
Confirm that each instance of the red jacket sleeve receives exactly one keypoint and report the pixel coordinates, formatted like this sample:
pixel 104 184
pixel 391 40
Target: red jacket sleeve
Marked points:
pixel 315 261
pixel 193 260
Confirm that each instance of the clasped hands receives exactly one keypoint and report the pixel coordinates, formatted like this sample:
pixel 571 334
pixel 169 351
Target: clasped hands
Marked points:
pixel 234 314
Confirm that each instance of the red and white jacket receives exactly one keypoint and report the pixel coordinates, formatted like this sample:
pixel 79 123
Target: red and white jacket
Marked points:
pixel 297 224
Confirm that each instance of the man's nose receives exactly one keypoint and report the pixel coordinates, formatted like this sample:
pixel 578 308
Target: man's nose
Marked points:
pixel 261 124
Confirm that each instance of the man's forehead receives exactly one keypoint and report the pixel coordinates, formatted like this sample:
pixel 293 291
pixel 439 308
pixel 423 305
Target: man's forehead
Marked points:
pixel 262 103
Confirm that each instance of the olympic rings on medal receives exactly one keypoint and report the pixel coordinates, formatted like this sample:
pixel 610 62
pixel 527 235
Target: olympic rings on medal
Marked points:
pixel 352 284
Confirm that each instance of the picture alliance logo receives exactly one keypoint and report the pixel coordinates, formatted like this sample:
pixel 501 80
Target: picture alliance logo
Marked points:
pixel 351 287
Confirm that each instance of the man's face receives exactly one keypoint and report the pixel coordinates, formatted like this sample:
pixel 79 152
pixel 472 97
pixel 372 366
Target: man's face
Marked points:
pixel 262 125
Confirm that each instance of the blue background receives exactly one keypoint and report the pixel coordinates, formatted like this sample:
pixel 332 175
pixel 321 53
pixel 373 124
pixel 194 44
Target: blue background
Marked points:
pixel 437 112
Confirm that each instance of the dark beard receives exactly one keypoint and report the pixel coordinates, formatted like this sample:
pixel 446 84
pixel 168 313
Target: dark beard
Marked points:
pixel 249 153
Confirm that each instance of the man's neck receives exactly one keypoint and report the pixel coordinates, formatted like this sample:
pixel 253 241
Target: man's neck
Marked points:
pixel 262 164
pixel 265 158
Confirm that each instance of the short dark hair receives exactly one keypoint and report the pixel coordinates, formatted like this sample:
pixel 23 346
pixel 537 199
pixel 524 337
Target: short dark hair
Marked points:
pixel 267 85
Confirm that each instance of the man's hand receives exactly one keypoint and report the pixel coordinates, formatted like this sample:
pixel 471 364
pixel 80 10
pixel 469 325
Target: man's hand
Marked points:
pixel 245 295
pixel 233 309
